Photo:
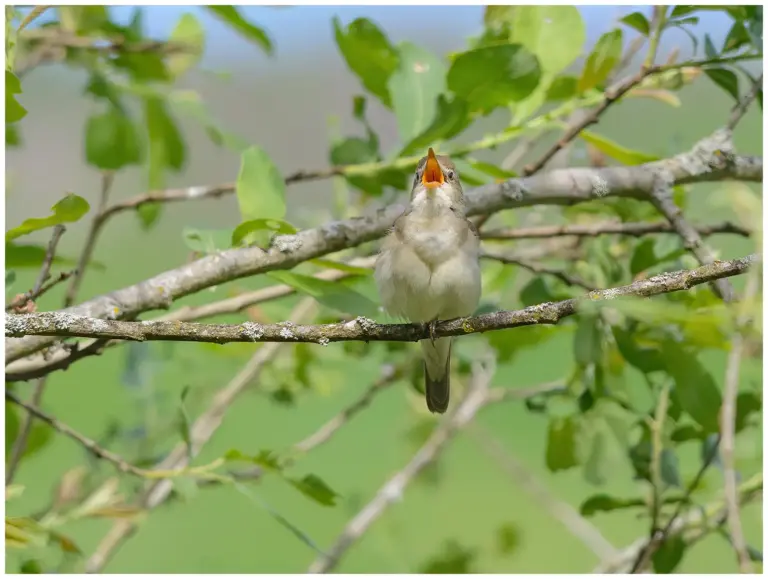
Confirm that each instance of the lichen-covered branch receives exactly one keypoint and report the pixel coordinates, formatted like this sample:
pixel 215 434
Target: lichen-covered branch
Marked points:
pixel 562 187
pixel 65 324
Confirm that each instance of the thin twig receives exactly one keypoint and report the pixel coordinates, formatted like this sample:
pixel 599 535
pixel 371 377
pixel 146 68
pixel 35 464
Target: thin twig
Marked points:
pixel 107 178
pixel 560 510
pixel 22 300
pixel 45 271
pixel 200 433
pixel 741 107
pixel 538 268
pixel 22 438
pixel 637 229
pixel 728 428
pixel 59 324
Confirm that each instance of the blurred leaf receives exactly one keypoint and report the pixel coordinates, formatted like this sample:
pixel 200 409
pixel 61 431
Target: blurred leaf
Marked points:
pixel 142 67
pixel 189 103
pixel 638 21
pixel 341 266
pixel 554 34
pixel 31 256
pixel 615 151
pixel 647 254
pixel 588 341
pixel 111 141
pixel 508 537
pixel 747 403
pixel 414 88
pixel 669 554
pixel 508 343
pixel 669 467
pixel 12 136
pixel 68 210
pixel 494 76
pixel 725 79
pixel 604 57
pixel 450 119
pixel 736 38
pixel 540 290
pixel 31 566
pixel 188 31
pixel 490 169
pixel 315 488
pixel 686 433
pixel 562 88
pixel 709 48
pixel 247 30
pixel 606 503
pixel 10 279
pixel 166 145
pixel 710 451
pixel 206 241
pixel 260 187
pixel 247 227
pixel 148 214
pixel 368 54
pixel 597 465
pixel 13 110
pixel 695 389
pixel 643 358
pixel 333 295
pixel 561 444
pixel 266 459
pixel 185 424
pixel 455 558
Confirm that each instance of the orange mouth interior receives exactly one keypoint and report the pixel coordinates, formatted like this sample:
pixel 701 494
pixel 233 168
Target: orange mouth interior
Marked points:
pixel 433 175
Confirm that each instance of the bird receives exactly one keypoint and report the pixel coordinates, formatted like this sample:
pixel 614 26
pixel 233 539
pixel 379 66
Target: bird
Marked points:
pixel 428 267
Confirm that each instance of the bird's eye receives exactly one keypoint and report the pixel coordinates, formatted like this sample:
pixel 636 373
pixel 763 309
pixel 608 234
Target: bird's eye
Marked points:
pixel 450 174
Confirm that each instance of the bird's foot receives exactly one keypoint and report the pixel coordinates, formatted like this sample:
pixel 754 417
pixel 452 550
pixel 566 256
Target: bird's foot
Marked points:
pixel 432 326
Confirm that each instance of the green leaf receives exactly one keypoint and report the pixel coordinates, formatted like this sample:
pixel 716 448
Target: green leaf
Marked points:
pixel 669 467
pixel 333 295
pixel 368 54
pixel 615 151
pixel 13 110
pixel 491 170
pixel 747 403
pixel 601 61
pixel 454 559
pixel 597 466
pixel 508 536
pixel 561 444
pixel 142 67
pixel 669 554
pixel 111 141
pixel 260 187
pixel 450 119
pixel 247 227
pixel 166 145
pixel 149 213
pixel 684 9
pixel 69 210
pixel 39 437
pixel 606 503
pixel 32 256
pixel 541 290
pixel 206 241
pixel 709 48
pixel 494 76
pixel 11 427
pixel 188 31
pixel 414 88
pixel 643 358
pixel 695 389
pixel 638 21
pixel 266 459
pixel 562 88
pixel 332 264
pixel 588 341
pixel 737 37
pixel 247 30
pixel 30 567
pixel 315 488
pixel 554 34
pixel 725 79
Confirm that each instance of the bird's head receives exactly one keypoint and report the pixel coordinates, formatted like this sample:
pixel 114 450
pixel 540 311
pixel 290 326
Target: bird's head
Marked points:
pixel 436 183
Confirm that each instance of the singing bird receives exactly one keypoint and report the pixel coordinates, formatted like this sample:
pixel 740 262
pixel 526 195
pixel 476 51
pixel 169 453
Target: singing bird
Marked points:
pixel 428 268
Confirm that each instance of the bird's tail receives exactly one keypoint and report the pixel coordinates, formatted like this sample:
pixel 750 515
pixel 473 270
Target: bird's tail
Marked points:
pixel 437 375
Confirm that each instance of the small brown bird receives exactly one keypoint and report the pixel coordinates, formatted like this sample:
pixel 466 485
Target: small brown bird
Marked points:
pixel 429 266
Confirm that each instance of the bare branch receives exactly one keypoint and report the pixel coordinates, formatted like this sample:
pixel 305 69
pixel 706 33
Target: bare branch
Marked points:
pixel 20 301
pixel 563 187
pixel 577 525
pixel 637 229
pixel 741 107
pixel 475 398
pixel 200 433
pixel 728 429
pixel 537 268
pixel 45 271
pixel 63 324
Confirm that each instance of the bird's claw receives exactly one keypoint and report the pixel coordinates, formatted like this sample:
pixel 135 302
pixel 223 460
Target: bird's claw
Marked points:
pixel 432 326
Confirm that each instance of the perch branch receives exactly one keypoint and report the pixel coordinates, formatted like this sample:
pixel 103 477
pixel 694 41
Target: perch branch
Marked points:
pixel 62 324
pixel 200 433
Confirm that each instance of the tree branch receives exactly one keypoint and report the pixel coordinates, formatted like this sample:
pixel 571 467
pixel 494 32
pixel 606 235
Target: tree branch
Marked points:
pixel 563 187
pixel 637 229
pixel 45 272
pixel 361 329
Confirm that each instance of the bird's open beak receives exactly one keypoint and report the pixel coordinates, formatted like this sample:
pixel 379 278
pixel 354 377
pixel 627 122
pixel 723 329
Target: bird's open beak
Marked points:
pixel 433 175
